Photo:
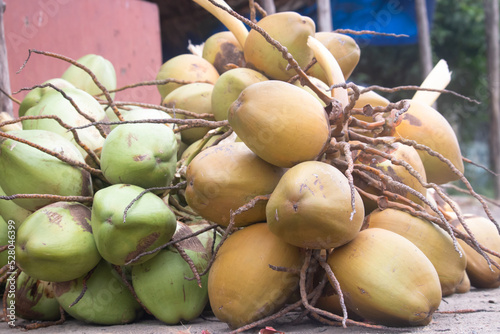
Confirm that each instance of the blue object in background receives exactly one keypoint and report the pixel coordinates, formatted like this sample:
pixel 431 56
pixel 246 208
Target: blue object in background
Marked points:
pixel 385 16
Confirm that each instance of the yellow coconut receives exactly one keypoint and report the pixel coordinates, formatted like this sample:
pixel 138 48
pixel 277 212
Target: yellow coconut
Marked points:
pixel 194 97
pixel 282 123
pixel 480 274
pixel 187 67
pixel 343 47
pixel 222 178
pixel 242 287
pixel 261 55
pixel 428 127
pixel 433 241
pixel 222 49
pixel 311 207
pixel 386 279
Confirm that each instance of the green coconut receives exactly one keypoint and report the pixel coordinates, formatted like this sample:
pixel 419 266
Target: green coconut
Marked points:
pixel 34 96
pixel 196 98
pixel 56 243
pixel 34 299
pixel 106 301
pixel 229 86
pixel 311 207
pixel 4 240
pixel 56 104
pixel 161 284
pixel 149 223
pixel 142 154
pixel 27 170
pixel 102 68
pixel 225 177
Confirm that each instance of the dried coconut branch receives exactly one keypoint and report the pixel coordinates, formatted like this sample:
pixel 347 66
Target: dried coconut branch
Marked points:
pixel 59 156
pixel 480 166
pixel 190 263
pixel 186 122
pixel 129 286
pixel 171 242
pixel 173 111
pixel 64 125
pixel 463 191
pixel 12 98
pixel 414 88
pixel 157 83
pixel 367 32
pixel 145 191
pixel 84 287
pixel 82 199
pixel 261 10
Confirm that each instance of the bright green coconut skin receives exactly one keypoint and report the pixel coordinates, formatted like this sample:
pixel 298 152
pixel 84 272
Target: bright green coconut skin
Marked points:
pixel 141 154
pixel 56 244
pixel 149 223
pixel 107 300
pixel 27 170
pixel 163 278
pixel 35 299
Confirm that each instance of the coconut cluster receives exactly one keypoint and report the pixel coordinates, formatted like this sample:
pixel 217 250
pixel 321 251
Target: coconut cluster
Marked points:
pixel 262 183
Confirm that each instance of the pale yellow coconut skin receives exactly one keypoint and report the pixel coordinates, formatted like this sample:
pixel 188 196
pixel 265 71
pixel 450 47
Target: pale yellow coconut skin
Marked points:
pixel 433 241
pixel 283 124
pixel 311 207
pixel 186 67
pixel 386 279
pixel 225 177
pixel 264 57
pixel 242 288
pixel 343 47
pixel 428 127
pixel 480 274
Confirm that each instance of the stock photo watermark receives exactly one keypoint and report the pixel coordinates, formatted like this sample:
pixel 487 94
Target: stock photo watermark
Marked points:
pixel 10 288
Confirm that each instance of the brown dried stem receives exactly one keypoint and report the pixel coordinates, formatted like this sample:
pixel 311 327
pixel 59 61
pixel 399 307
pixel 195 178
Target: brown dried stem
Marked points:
pixel 129 286
pixel 171 242
pixel 157 83
pixel 82 199
pixel 64 125
pixel 190 262
pixel 44 324
pixel 414 88
pixel 367 32
pixel 173 111
pixel 145 191
pixel 84 287
pixel 59 156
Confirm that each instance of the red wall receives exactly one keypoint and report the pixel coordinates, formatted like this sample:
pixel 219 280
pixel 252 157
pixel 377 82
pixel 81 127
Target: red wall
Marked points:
pixel 126 32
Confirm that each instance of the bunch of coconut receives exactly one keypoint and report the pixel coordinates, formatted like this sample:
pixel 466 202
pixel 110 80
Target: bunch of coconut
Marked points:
pixel 338 175
pixel 92 223
pixel 327 195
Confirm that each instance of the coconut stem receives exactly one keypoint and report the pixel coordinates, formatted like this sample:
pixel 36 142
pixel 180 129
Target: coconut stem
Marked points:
pixel 64 125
